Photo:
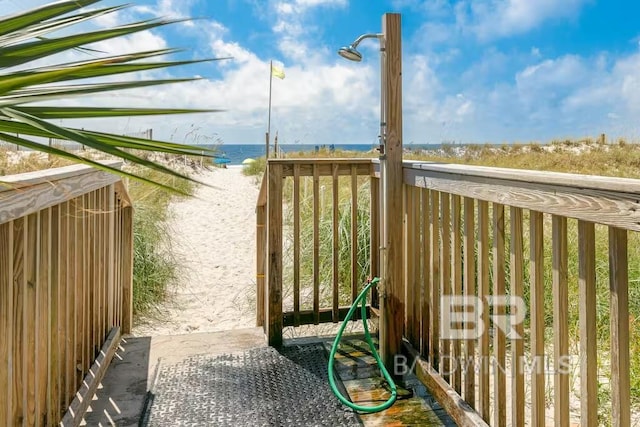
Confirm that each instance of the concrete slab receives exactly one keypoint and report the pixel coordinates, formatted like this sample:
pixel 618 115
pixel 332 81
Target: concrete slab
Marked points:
pixel 121 397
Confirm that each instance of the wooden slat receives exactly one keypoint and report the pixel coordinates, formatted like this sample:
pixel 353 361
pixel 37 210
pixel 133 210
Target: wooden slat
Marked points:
pixel 325 166
pixel 63 293
pixel 316 242
pixel 560 320
pixel 274 259
pixel 427 281
pixel 460 410
pixel 19 297
pixel 536 275
pixel 413 291
pixel 296 244
pixel 80 304
pixel 469 243
pixel 391 329
pixel 6 322
pixel 91 381
pixel 499 343
pixel 615 208
pixel 374 254
pixel 87 270
pixel 587 319
pixel 445 278
pixel 43 315
pixel 434 345
pixel 483 293
pixel 354 234
pixel 307 317
pixel 516 249
pixel 92 274
pixel 127 271
pixel 72 306
pixel 456 279
pixel 335 247
pixel 261 256
pixel 111 256
pixel 30 317
pixel 619 320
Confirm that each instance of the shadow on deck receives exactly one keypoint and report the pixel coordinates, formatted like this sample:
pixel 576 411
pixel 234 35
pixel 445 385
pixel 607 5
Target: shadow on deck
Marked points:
pixel 232 378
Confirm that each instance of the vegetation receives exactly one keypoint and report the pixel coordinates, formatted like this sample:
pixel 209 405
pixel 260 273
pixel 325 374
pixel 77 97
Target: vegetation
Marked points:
pixel 30 36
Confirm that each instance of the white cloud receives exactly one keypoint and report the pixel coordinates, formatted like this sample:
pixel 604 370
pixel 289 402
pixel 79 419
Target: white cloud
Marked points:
pixel 489 19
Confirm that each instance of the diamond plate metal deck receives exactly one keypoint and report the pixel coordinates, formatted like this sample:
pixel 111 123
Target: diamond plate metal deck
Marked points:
pixel 260 387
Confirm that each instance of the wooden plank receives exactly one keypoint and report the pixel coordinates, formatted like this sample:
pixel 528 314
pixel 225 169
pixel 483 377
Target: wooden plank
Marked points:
pixel 91 266
pixel 296 244
pixel 72 310
pixel 469 288
pixel 560 320
pixel 274 259
pixel 18 355
pixel 618 209
pixel 78 408
pixel 427 279
pixel 261 257
pixel 434 345
pixel 30 317
pixel 335 244
pixel 325 166
pixel 316 242
pixel 307 317
pixel 111 250
pixel 127 270
pixel 413 291
pixel 456 279
pixel 64 253
pixel 587 321
pixel 619 321
pixel 87 270
pixel 499 343
pixel 516 249
pixel 80 297
pixel 48 176
pixel 591 182
pixel 393 307
pixel 354 235
pixel 28 200
pixel 536 275
pixel 6 322
pixel 374 253
pixel 43 317
pixel 459 409
pixel 483 293
pixel 54 391
pixel 445 279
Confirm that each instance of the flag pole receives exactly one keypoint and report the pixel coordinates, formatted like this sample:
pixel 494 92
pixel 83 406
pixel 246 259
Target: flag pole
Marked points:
pixel 269 121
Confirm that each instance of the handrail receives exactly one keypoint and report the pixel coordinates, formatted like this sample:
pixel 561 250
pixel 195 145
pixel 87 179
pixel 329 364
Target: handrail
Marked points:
pixel 66 268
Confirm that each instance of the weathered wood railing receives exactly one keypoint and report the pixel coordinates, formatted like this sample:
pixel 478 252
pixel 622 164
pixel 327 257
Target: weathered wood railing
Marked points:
pixel 66 255
pixel 476 260
pixel 304 212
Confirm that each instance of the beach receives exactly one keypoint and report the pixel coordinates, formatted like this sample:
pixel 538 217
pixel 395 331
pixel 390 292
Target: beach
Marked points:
pixel 215 240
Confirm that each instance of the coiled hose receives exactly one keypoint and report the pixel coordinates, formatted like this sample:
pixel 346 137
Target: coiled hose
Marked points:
pixel 394 390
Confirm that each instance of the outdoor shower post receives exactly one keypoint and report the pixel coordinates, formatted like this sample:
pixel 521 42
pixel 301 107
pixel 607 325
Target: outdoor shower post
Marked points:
pixel 393 299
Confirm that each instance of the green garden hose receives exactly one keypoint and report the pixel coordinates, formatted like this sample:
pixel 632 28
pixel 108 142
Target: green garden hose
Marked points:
pixel 394 391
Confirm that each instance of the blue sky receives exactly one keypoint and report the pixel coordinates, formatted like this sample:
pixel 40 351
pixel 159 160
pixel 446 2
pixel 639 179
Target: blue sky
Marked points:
pixel 473 71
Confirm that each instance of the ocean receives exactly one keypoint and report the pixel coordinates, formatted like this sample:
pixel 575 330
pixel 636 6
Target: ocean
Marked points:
pixel 236 153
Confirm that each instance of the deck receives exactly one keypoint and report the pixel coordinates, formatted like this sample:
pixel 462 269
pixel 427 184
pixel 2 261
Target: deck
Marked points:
pixel 233 378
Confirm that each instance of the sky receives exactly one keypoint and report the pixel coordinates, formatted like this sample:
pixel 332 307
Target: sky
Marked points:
pixel 474 71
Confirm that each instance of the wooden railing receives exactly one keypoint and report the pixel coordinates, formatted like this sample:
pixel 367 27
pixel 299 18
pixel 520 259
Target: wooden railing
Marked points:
pixel 484 242
pixel 508 275
pixel 302 213
pixel 66 260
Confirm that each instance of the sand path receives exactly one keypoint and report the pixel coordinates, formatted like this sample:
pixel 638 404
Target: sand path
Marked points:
pixel 215 237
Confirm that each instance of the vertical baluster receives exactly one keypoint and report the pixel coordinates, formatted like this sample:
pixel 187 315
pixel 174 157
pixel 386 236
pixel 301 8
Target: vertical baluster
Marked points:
pixel 560 320
pixel 445 278
pixel 499 343
pixel 456 270
pixel 296 245
pixel 483 294
pixel 537 317
pixel 469 293
pixel 434 350
pixel 517 340
pixel 335 315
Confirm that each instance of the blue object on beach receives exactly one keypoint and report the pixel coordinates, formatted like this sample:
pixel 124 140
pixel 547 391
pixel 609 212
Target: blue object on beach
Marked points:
pixel 221 160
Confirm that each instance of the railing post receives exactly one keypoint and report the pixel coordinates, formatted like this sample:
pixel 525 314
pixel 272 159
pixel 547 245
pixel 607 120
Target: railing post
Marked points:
pixel 393 304
pixel 127 269
pixel 274 251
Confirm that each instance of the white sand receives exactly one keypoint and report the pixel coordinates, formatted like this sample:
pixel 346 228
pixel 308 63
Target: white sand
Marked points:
pixel 215 236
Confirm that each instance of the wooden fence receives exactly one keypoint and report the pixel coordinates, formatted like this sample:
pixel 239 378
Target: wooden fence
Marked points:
pixel 66 261
pixel 491 243
pixel 306 191
pixel 516 301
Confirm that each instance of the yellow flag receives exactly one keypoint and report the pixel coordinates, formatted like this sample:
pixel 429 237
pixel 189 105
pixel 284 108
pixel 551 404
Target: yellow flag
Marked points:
pixel 277 72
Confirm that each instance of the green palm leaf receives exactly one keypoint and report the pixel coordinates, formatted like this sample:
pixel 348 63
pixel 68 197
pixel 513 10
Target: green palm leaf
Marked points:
pixel 22 41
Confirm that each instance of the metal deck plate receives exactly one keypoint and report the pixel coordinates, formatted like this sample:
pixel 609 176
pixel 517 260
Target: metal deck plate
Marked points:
pixel 260 387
